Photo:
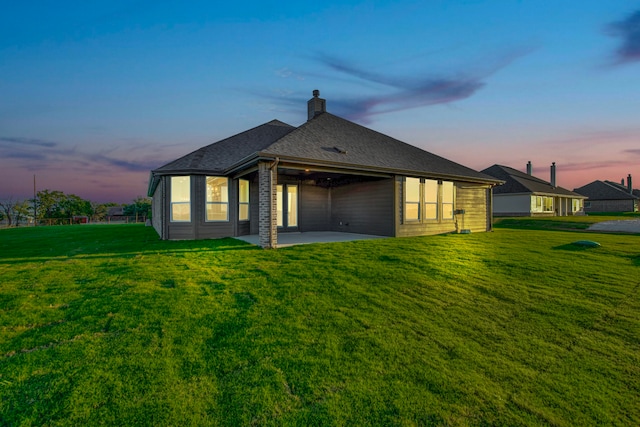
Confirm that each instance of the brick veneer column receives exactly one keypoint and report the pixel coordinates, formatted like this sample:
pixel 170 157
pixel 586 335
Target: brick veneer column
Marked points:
pixel 267 215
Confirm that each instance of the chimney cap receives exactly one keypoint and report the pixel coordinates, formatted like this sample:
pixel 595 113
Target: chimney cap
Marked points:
pixel 316 93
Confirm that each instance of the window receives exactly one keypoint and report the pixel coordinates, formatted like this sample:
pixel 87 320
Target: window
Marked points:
pixel 217 201
pixel 292 205
pixel 575 203
pixel 536 204
pixel 412 199
pixel 280 204
pixel 243 200
pixel 180 198
pixel 447 199
pixel 541 204
pixel 430 199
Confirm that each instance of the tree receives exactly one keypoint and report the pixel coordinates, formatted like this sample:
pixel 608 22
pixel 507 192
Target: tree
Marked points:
pixel 141 206
pixel 55 204
pixel 49 204
pixel 7 210
pixel 22 211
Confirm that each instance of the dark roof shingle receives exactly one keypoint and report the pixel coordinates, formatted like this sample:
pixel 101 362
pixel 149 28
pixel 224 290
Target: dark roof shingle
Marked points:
pixel 219 156
pixel 520 182
pixel 326 139
pixel 605 190
pixel 333 140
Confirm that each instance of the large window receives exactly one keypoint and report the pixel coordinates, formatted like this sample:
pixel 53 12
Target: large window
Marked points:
pixel 447 200
pixel 217 201
pixel 243 200
pixel 430 199
pixel 541 204
pixel 412 199
pixel 180 199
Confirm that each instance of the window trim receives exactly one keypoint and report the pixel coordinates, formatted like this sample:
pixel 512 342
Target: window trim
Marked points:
pixel 247 203
pixel 452 203
pixel 182 202
pixel 416 203
pixel 207 203
pixel 431 203
pixel 283 209
pixel 422 202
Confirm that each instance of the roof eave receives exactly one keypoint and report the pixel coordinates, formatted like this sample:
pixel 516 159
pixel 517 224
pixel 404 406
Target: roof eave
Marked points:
pixel 356 167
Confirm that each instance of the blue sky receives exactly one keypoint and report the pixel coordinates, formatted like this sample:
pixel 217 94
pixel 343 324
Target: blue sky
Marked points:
pixel 95 94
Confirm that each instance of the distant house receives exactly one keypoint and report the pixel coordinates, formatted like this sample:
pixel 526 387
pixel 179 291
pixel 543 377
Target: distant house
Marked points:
pixel 329 174
pixel 522 194
pixel 115 211
pixel 608 196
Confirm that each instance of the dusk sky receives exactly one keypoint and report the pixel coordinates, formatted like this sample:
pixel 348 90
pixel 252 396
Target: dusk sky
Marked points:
pixel 93 95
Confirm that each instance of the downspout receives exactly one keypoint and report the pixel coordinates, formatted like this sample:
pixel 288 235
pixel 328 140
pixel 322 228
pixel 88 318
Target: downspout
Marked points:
pixel 490 207
pixel 164 210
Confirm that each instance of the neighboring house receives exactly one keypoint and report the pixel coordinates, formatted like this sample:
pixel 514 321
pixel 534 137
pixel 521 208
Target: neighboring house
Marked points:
pixel 608 196
pixel 115 211
pixel 522 194
pixel 329 174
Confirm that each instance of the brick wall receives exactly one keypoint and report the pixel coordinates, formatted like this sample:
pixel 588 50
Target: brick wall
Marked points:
pixel 267 207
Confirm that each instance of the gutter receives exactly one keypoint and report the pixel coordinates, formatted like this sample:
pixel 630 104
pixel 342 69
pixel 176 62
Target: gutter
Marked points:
pixel 248 162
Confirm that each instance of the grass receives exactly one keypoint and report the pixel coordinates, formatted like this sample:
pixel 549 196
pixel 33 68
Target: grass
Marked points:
pixel 107 325
pixel 561 223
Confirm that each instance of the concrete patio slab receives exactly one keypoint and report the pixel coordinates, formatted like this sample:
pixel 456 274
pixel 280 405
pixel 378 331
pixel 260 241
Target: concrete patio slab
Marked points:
pixel 292 239
pixel 625 226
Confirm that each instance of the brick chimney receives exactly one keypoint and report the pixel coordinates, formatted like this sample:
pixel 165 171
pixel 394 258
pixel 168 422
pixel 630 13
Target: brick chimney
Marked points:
pixel 316 105
pixel 629 184
pixel 529 167
pixel 553 174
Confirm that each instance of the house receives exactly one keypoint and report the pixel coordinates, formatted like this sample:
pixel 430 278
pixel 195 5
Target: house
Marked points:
pixel 522 194
pixel 329 174
pixel 608 196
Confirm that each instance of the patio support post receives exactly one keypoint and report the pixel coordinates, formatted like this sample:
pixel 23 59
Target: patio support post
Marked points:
pixel 268 228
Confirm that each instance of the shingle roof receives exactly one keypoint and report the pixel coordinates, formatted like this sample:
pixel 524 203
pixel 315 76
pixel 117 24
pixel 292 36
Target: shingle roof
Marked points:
pixel 325 139
pixel 520 182
pixel 219 156
pixel 331 140
pixel 605 190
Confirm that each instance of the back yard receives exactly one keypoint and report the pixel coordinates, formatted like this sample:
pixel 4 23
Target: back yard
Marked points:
pixel 107 325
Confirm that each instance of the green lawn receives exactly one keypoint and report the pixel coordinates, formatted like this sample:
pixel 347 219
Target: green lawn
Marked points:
pixel 562 223
pixel 107 325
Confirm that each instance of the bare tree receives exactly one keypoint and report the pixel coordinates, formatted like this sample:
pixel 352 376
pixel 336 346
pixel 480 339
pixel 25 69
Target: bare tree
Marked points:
pixel 7 207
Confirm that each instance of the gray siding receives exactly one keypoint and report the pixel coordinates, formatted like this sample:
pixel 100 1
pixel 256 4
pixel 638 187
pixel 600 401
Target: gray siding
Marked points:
pixel 179 230
pixel 611 206
pixel 314 208
pixel 198 227
pixel 474 199
pixel 364 207
pixel 157 203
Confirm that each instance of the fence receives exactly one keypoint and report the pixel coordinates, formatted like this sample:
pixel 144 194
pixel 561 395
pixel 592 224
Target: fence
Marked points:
pixel 118 219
